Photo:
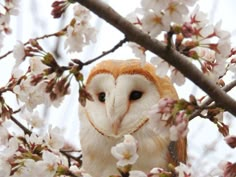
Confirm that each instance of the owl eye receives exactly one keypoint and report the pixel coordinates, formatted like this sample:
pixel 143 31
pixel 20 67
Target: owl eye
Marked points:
pixel 135 95
pixel 102 97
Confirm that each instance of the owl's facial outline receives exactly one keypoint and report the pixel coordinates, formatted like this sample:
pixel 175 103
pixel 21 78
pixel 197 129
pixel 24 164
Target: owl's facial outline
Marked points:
pixel 117 107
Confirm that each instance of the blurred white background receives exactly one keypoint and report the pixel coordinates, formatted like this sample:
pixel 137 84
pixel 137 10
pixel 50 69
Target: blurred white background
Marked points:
pixel 206 147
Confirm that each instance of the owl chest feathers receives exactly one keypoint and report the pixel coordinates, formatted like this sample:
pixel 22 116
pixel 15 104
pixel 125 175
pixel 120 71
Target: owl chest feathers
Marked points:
pixel 97 157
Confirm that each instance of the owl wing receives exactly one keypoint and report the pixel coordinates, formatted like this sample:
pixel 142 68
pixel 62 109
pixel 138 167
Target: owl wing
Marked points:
pixel 177 152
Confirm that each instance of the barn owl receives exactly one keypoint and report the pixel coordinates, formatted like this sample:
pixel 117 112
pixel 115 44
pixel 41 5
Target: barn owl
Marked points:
pixel 123 91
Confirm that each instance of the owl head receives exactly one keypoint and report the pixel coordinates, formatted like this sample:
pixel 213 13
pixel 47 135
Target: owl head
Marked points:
pixel 123 91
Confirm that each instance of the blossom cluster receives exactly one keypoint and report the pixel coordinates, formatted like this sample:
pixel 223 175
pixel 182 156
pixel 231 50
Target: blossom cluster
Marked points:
pixel 34 155
pixel 6 11
pixel 42 83
pixel 166 123
pixel 79 32
pixel 126 153
pixel 205 44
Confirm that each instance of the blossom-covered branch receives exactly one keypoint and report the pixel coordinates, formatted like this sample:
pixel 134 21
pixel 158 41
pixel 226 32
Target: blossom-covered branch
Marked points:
pixel 170 55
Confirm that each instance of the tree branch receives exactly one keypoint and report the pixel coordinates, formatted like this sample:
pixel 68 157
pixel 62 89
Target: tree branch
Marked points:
pixel 208 101
pixel 170 55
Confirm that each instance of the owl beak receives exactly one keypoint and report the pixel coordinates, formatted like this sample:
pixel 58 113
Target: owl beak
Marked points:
pixel 116 126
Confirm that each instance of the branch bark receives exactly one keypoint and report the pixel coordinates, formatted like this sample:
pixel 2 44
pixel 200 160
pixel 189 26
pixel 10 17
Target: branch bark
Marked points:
pixel 173 57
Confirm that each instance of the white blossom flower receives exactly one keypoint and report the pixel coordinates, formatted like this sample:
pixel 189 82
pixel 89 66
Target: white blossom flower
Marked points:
pixel 81 13
pixel 162 66
pixel 125 152
pixel 198 18
pixel 231 140
pixel 154 23
pixel 5 168
pixel 10 148
pixel 34 139
pixel 1 39
pixel 48 164
pixel 159 115
pixel 78 36
pixel 204 53
pixel 12 5
pixel 157 172
pixel 183 170
pixel 80 33
pixel 180 127
pixel 177 77
pixel 156 5
pixel 222 34
pixel 33 119
pixel 30 96
pixel 36 66
pixel 188 2
pixel 19 53
pixel 138 51
pixel 175 11
pixel 136 173
pixel 4 134
pixel 207 31
pixel 54 138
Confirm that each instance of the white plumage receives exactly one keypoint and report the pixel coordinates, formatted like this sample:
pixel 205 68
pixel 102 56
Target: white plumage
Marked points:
pixel 123 92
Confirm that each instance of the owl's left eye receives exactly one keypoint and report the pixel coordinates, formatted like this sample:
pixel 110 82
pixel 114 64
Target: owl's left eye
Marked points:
pixel 102 97
pixel 135 95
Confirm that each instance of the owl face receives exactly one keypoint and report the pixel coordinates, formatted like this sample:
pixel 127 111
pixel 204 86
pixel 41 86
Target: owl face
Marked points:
pixel 123 92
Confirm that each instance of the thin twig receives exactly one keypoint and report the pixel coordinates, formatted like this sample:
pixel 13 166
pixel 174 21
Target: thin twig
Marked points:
pixel 68 155
pixel 106 52
pixel 36 39
pixel 26 130
pixel 209 100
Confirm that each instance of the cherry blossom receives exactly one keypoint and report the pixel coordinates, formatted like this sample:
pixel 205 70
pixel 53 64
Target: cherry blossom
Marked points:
pixel 231 140
pixel 6 11
pixel 162 67
pixel 19 53
pixel 54 139
pixel 125 152
pixel 156 5
pixel 4 135
pixel 163 122
pixel 5 168
pixel 34 139
pixel 180 127
pixel 79 33
pixel 36 65
pixel 136 173
pixel 229 169
pixel 159 115
pixel 157 172
pixel 31 96
pixel 177 77
pixel 138 51
pixel 33 119
pixel 183 170
pixel 154 23
pixel 175 11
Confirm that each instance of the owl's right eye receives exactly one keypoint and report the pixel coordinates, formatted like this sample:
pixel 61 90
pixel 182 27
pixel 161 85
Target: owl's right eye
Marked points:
pixel 102 97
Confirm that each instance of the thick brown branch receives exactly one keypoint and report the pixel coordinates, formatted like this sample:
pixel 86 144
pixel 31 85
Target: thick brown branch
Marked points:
pixel 171 56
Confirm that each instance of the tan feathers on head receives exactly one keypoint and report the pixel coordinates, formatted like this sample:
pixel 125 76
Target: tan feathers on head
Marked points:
pixel 133 66
pixel 123 91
